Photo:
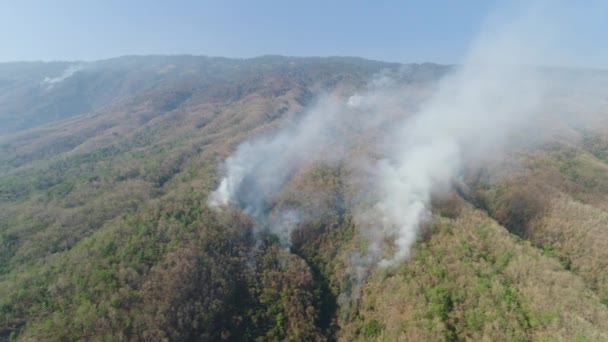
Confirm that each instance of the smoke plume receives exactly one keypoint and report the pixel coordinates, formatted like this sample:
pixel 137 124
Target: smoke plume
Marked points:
pixel 481 108
pixel 259 168
pixel 67 73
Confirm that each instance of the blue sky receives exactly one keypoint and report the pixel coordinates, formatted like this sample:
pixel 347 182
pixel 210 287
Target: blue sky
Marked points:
pixel 401 31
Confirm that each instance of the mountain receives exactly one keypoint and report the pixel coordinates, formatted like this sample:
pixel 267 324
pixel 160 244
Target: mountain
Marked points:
pixel 106 231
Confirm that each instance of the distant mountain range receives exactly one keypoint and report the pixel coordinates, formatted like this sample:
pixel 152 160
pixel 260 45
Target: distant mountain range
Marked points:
pixel 35 93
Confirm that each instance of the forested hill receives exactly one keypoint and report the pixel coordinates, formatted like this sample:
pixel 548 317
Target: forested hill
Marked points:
pixel 106 232
pixel 35 93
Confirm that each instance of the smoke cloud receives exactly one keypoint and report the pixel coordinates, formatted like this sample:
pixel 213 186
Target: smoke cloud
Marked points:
pixel 259 168
pixel 67 73
pixel 482 108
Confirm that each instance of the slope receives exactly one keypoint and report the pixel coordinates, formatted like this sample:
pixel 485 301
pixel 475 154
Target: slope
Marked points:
pixel 105 230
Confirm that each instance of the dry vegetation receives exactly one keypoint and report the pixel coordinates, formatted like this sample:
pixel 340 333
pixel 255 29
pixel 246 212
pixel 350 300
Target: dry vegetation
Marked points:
pixel 105 232
pixel 472 280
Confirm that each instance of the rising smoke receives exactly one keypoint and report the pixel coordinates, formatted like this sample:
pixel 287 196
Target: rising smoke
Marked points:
pixel 475 112
pixel 67 73
pixel 259 168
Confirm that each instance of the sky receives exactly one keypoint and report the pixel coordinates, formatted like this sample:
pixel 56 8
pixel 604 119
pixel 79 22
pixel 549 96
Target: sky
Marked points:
pixel 397 31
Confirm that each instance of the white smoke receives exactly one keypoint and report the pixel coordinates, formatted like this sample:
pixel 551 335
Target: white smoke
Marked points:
pixel 259 168
pixel 482 108
pixel 473 114
pixel 67 73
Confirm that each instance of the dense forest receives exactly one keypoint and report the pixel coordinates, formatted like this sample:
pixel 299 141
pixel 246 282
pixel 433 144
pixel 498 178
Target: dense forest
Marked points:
pixel 106 232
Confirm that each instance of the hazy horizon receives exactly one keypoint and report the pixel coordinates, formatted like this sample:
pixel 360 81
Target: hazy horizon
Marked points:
pixel 557 66
pixel 415 32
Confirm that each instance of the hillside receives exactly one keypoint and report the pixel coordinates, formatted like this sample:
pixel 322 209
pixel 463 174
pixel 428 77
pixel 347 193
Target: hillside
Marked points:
pixel 107 232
